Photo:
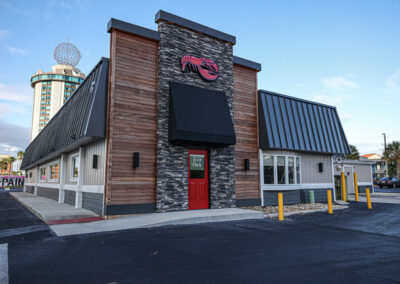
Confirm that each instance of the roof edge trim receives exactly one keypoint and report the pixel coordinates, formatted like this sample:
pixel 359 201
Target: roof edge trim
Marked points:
pixel 162 15
pixel 132 29
pixel 246 63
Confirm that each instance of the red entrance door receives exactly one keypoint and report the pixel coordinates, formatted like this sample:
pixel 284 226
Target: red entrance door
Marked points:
pixel 198 179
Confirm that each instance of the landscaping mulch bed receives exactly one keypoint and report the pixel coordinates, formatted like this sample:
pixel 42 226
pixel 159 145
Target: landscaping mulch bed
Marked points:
pixel 294 208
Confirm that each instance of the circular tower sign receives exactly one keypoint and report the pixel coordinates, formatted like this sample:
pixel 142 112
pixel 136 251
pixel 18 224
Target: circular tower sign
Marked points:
pixel 66 53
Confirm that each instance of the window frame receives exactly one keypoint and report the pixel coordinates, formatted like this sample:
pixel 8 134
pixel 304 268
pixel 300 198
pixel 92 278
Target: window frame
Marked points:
pixel 40 173
pixel 72 178
pixel 275 185
pixel 52 164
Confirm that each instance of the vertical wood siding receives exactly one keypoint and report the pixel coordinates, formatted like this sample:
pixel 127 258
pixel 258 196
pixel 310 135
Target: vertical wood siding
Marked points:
pixel 245 117
pixel 94 176
pixel 132 121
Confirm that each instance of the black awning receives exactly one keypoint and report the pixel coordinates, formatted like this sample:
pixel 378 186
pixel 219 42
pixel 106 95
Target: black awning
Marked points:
pixel 199 115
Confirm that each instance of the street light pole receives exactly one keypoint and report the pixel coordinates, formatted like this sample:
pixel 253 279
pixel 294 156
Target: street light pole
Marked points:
pixel 384 140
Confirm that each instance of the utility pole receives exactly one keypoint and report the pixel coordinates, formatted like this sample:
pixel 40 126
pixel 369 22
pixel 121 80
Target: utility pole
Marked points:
pixel 384 140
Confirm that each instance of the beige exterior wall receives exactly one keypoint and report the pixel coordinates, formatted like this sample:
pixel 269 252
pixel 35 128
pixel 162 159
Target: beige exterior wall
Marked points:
pixel 364 173
pixel 309 166
pixel 94 176
pixel 90 176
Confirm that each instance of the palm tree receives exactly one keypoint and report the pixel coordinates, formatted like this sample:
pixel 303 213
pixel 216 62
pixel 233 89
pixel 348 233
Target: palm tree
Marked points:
pixel 20 155
pixel 354 155
pixel 3 165
pixel 10 161
pixel 392 156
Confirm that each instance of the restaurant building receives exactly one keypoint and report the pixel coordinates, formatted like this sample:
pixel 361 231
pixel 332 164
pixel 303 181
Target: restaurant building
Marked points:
pixel 173 120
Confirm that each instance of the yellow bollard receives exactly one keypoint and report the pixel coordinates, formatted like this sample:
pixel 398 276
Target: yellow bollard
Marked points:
pixel 329 192
pixel 368 198
pixel 280 205
pixel 343 187
pixel 355 186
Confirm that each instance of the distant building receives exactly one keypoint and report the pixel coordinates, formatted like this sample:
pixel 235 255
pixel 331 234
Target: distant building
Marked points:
pixel 51 90
pixel 379 168
pixel 5 171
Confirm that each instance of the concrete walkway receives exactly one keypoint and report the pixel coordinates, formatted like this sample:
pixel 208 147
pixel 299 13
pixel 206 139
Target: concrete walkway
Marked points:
pixel 51 211
pixel 379 197
pixel 157 220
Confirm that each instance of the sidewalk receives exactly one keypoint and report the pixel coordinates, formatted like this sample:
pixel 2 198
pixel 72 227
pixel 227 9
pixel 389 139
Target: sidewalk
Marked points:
pixel 50 210
pixel 379 197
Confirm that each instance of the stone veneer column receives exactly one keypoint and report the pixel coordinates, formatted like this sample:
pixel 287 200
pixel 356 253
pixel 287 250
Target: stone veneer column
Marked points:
pixel 172 160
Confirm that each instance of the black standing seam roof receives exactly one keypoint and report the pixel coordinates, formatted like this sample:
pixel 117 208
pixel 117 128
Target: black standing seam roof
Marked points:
pixel 290 123
pixel 80 120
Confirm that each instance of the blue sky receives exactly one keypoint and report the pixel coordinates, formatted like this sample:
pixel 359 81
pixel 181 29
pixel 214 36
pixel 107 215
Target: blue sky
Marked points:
pixel 344 53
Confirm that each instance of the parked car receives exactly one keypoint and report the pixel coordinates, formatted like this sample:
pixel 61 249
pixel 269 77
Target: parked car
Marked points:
pixel 388 182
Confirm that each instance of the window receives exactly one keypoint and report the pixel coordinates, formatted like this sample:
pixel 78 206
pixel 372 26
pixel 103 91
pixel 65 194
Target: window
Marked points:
pixel 280 162
pixel 42 174
pixel 298 180
pixel 281 169
pixel 197 166
pixel 74 167
pixel 269 172
pixel 291 170
pixel 54 171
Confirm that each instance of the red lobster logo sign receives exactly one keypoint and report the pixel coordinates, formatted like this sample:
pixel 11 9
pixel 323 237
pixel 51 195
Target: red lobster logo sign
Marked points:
pixel 207 68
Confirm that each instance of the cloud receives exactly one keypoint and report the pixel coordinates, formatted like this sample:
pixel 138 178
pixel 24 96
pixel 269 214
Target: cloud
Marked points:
pixel 16 50
pixel 339 83
pixel 17 93
pixel 8 109
pixel 13 136
pixel 393 85
pixel 335 91
pixel 330 99
pixel 9 150
pixel 4 34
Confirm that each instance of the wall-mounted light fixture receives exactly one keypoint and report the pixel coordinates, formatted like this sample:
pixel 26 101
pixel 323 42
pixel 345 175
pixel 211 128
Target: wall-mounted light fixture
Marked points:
pixel 320 167
pixel 95 162
pixel 246 164
pixel 135 160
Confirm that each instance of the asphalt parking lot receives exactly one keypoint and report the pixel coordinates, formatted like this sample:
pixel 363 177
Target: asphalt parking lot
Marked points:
pixel 387 189
pixel 351 246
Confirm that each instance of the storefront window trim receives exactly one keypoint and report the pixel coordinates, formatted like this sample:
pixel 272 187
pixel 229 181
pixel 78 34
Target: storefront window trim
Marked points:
pixel 51 178
pixel 42 174
pixel 275 165
pixel 75 166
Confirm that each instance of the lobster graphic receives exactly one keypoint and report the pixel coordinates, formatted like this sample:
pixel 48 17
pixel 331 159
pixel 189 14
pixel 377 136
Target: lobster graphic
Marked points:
pixel 207 68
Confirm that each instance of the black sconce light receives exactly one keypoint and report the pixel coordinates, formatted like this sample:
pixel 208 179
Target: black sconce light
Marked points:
pixel 320 167
pixel 135 160
pixel 246 164
pixel 95 161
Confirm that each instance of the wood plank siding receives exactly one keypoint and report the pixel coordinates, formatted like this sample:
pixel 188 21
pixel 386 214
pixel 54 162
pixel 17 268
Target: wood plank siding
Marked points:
pixel 132 121
pixel 246 128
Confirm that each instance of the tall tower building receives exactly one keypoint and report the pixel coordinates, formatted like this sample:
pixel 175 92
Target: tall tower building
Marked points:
pixel 52 89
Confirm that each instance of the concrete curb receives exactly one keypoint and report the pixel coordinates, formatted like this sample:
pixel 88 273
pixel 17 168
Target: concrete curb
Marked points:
pixel 158 220
pixel 275 215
